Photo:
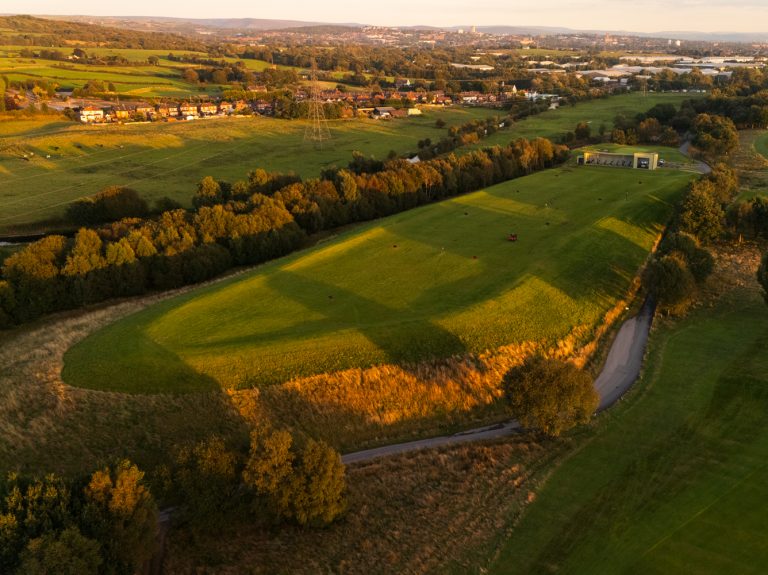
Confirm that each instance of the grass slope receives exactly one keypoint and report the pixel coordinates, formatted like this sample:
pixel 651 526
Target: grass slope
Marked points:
pixel 169 159
pixel 431 282
pixel 675 481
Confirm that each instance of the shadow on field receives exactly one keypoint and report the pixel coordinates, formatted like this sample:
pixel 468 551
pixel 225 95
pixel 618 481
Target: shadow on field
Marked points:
pixel 380 324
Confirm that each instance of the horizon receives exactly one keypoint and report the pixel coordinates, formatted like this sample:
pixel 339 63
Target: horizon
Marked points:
pixel 702 16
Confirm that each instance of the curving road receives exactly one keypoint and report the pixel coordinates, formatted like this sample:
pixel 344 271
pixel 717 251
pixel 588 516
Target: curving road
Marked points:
pixel 621 370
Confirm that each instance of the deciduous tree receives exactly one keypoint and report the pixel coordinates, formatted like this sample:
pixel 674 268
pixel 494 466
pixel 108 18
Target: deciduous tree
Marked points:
pixel 549 395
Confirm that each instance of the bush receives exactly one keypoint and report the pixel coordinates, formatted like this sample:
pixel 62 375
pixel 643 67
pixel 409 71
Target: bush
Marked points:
pixel 762 276
pixel 549 395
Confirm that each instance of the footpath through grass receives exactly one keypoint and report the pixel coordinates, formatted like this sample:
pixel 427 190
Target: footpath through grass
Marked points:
pixel 429 283
pixel 676 481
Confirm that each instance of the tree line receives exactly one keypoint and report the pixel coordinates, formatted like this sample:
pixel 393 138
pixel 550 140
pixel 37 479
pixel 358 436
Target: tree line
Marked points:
pixel 250 221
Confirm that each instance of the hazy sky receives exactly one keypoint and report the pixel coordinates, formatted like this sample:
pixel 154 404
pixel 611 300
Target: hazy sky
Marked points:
pixel 642 16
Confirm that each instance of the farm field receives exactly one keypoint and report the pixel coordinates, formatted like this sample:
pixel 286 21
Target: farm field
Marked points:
pixel 428 283
pixel 170 159
pixel 553 124
pixel 672 481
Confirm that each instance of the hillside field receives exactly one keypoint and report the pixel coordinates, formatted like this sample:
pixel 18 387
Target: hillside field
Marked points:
pixel 428 283
pixel 675 480
pixel 170 159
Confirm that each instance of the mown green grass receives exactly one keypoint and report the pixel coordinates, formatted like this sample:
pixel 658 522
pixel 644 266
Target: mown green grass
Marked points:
pixel 554 123
pixel 439 280
pixel 675 481
pixel 170 159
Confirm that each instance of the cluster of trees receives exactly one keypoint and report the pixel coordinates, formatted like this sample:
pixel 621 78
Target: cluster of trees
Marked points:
pixel 279 480
pixel 468 133
pixel 549 395
pixel 107 523
pixel 682 262
pixel 111 204
pixel 214 71
pixel 243 223
pixel 103 524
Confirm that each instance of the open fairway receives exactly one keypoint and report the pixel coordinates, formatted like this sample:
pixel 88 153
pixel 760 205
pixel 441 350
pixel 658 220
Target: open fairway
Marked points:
pixel 432 282
pixel 676 480
pixel 169 159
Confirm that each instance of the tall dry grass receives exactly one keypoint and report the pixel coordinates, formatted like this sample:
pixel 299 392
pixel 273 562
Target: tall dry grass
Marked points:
pixel 425 512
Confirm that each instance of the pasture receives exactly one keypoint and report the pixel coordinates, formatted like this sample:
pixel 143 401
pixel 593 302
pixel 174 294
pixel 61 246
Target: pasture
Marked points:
pixel 674 480
pixel 432 282
pixel 169 159
pixel 553 124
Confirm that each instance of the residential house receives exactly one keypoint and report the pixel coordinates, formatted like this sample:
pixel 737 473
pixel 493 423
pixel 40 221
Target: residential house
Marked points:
pixel 208 109
pixel 188 110
pixel 90 114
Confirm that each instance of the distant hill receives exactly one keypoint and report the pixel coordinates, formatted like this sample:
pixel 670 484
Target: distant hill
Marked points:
pixel 196 25
pixel 24 30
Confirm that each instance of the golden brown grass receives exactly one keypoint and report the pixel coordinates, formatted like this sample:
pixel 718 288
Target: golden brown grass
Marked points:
pixel 432 511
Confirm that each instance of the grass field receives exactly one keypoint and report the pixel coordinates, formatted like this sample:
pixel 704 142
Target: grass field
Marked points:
pixel 554 123
pixel 162 80
pixel 169 159
pixel 432 282
pixel 674 481
pixel 751 160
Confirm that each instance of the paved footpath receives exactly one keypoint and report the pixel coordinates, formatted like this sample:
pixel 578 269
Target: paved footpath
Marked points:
pixel 621 370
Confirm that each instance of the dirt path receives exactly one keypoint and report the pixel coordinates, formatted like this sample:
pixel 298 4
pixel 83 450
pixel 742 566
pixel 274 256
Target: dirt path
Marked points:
pixel 621 369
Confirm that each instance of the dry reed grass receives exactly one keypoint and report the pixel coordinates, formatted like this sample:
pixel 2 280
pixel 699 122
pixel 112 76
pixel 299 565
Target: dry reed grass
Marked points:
pixel 425 512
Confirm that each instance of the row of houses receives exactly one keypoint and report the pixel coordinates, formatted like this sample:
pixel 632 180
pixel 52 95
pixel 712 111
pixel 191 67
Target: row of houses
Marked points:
pixel 93 113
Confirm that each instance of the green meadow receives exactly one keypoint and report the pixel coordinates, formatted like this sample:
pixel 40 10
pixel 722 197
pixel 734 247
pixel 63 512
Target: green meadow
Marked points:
pixel 71 161
pixel 428 283
pixel 553 124
pixel 675 480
